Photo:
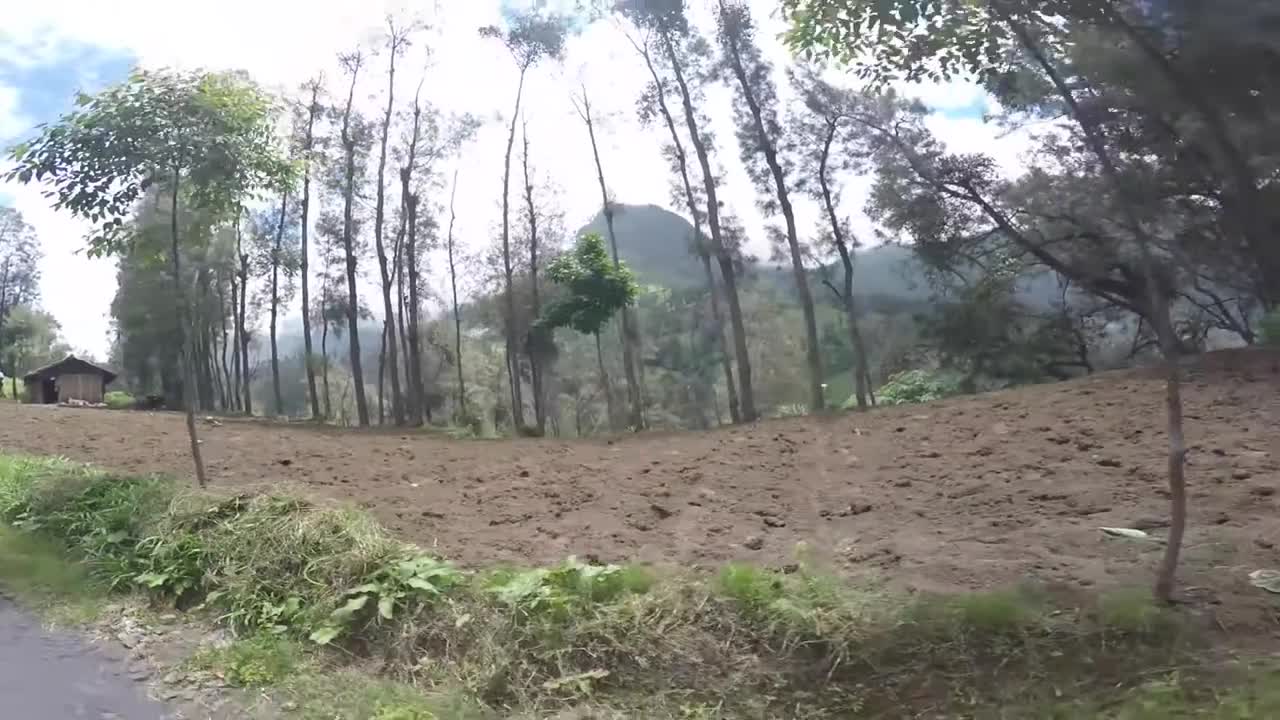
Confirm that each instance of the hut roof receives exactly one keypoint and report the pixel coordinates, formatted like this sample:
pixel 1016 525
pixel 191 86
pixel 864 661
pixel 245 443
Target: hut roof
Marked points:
pixel 70 365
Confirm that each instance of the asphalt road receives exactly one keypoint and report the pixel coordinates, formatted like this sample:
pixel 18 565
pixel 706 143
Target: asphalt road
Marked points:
pixel 48 675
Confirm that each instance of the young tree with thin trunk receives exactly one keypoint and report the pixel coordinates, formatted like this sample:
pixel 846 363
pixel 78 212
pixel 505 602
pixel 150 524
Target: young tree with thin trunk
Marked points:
pixel 351 64
pixel 629 366
pixel 655 101
pixel 821 154
pixel 760 134
pixel 397 41
pixel 242 334
pixel 531 216
pixel 682 50
pixel 204 137
pixel 307 150
pixel 530 37
pixel 453 288
pixel 597 289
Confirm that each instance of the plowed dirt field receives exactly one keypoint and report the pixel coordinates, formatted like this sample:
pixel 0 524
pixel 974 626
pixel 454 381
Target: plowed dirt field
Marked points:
pixel 970 492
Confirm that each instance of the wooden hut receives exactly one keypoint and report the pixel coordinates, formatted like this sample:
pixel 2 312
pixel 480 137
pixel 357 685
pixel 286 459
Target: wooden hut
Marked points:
pixel 68 379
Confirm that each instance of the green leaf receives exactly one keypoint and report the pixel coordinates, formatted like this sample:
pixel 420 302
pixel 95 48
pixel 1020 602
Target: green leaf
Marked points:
pixel 352 606
pixel 151 579
pixel 325 634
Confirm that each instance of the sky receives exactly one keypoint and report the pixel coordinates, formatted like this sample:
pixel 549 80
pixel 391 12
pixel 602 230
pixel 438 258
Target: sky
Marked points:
pixel 50 50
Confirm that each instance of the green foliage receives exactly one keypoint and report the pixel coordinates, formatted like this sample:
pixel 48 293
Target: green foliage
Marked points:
pixel 597 289
pixel 898 39
pixel 914 386
pixel 394 589
pixel 120 400
pixel 211 132
pixel 1271 329
pixel 558 591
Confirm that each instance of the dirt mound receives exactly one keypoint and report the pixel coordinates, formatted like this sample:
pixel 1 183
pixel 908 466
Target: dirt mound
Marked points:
pixel 970 492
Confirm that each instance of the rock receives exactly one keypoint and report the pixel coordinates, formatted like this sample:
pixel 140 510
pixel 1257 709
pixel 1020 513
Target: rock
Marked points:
pixel 1264 544
pixel 1263 491
pixel 172 678
pixel 660 511
pixel 774 522
pixel 1150 523
pixel 1241 474
pixel 1106 462
pixel 129 640
pixel 755 542
pixel 289 706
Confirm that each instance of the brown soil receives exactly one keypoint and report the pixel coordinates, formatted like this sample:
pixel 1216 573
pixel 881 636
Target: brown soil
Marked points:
pixel 971 492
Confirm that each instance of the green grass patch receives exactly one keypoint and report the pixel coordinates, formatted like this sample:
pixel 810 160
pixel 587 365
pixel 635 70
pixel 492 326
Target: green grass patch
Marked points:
pixel 255 661
pixel 293 579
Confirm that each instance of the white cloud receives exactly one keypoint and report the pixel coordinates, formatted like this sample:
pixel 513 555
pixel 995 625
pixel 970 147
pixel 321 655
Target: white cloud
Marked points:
pixel 283 42
pixel 11 120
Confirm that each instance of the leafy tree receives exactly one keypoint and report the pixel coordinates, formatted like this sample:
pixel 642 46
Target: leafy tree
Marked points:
pixel 207 137
pixel 597 289
pixel 19 264
pixel 31 338
pixel 1023 50
pixel 760 136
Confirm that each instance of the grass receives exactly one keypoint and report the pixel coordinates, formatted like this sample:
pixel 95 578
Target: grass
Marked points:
pixel 318 592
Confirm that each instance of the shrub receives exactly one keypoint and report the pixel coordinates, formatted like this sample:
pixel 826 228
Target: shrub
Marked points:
pixel 1271 329
pixel 915 386
pixel 119 400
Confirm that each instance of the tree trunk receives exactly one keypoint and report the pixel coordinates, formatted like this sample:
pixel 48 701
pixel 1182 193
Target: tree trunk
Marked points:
pixel 846 259
pixel 535 369
pixel 382 376
pixel 246 378
pixel 308 148
pixel 324 369
pixel 682 162
pixel 275 305
pixel 413 354
pixel 420 406
pixel 348 243
pixel 237 396
pixel 389 343
pixel 812 350
pixel 636 401
pixel 184 336
pixel 723 258
pixel 513 358
pixel 1157 307
pixel 453 286
pixel 605 387
pixel 228 389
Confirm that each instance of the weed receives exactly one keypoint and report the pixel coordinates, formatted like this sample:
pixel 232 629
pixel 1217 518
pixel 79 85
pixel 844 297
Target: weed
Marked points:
pixel 257 661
